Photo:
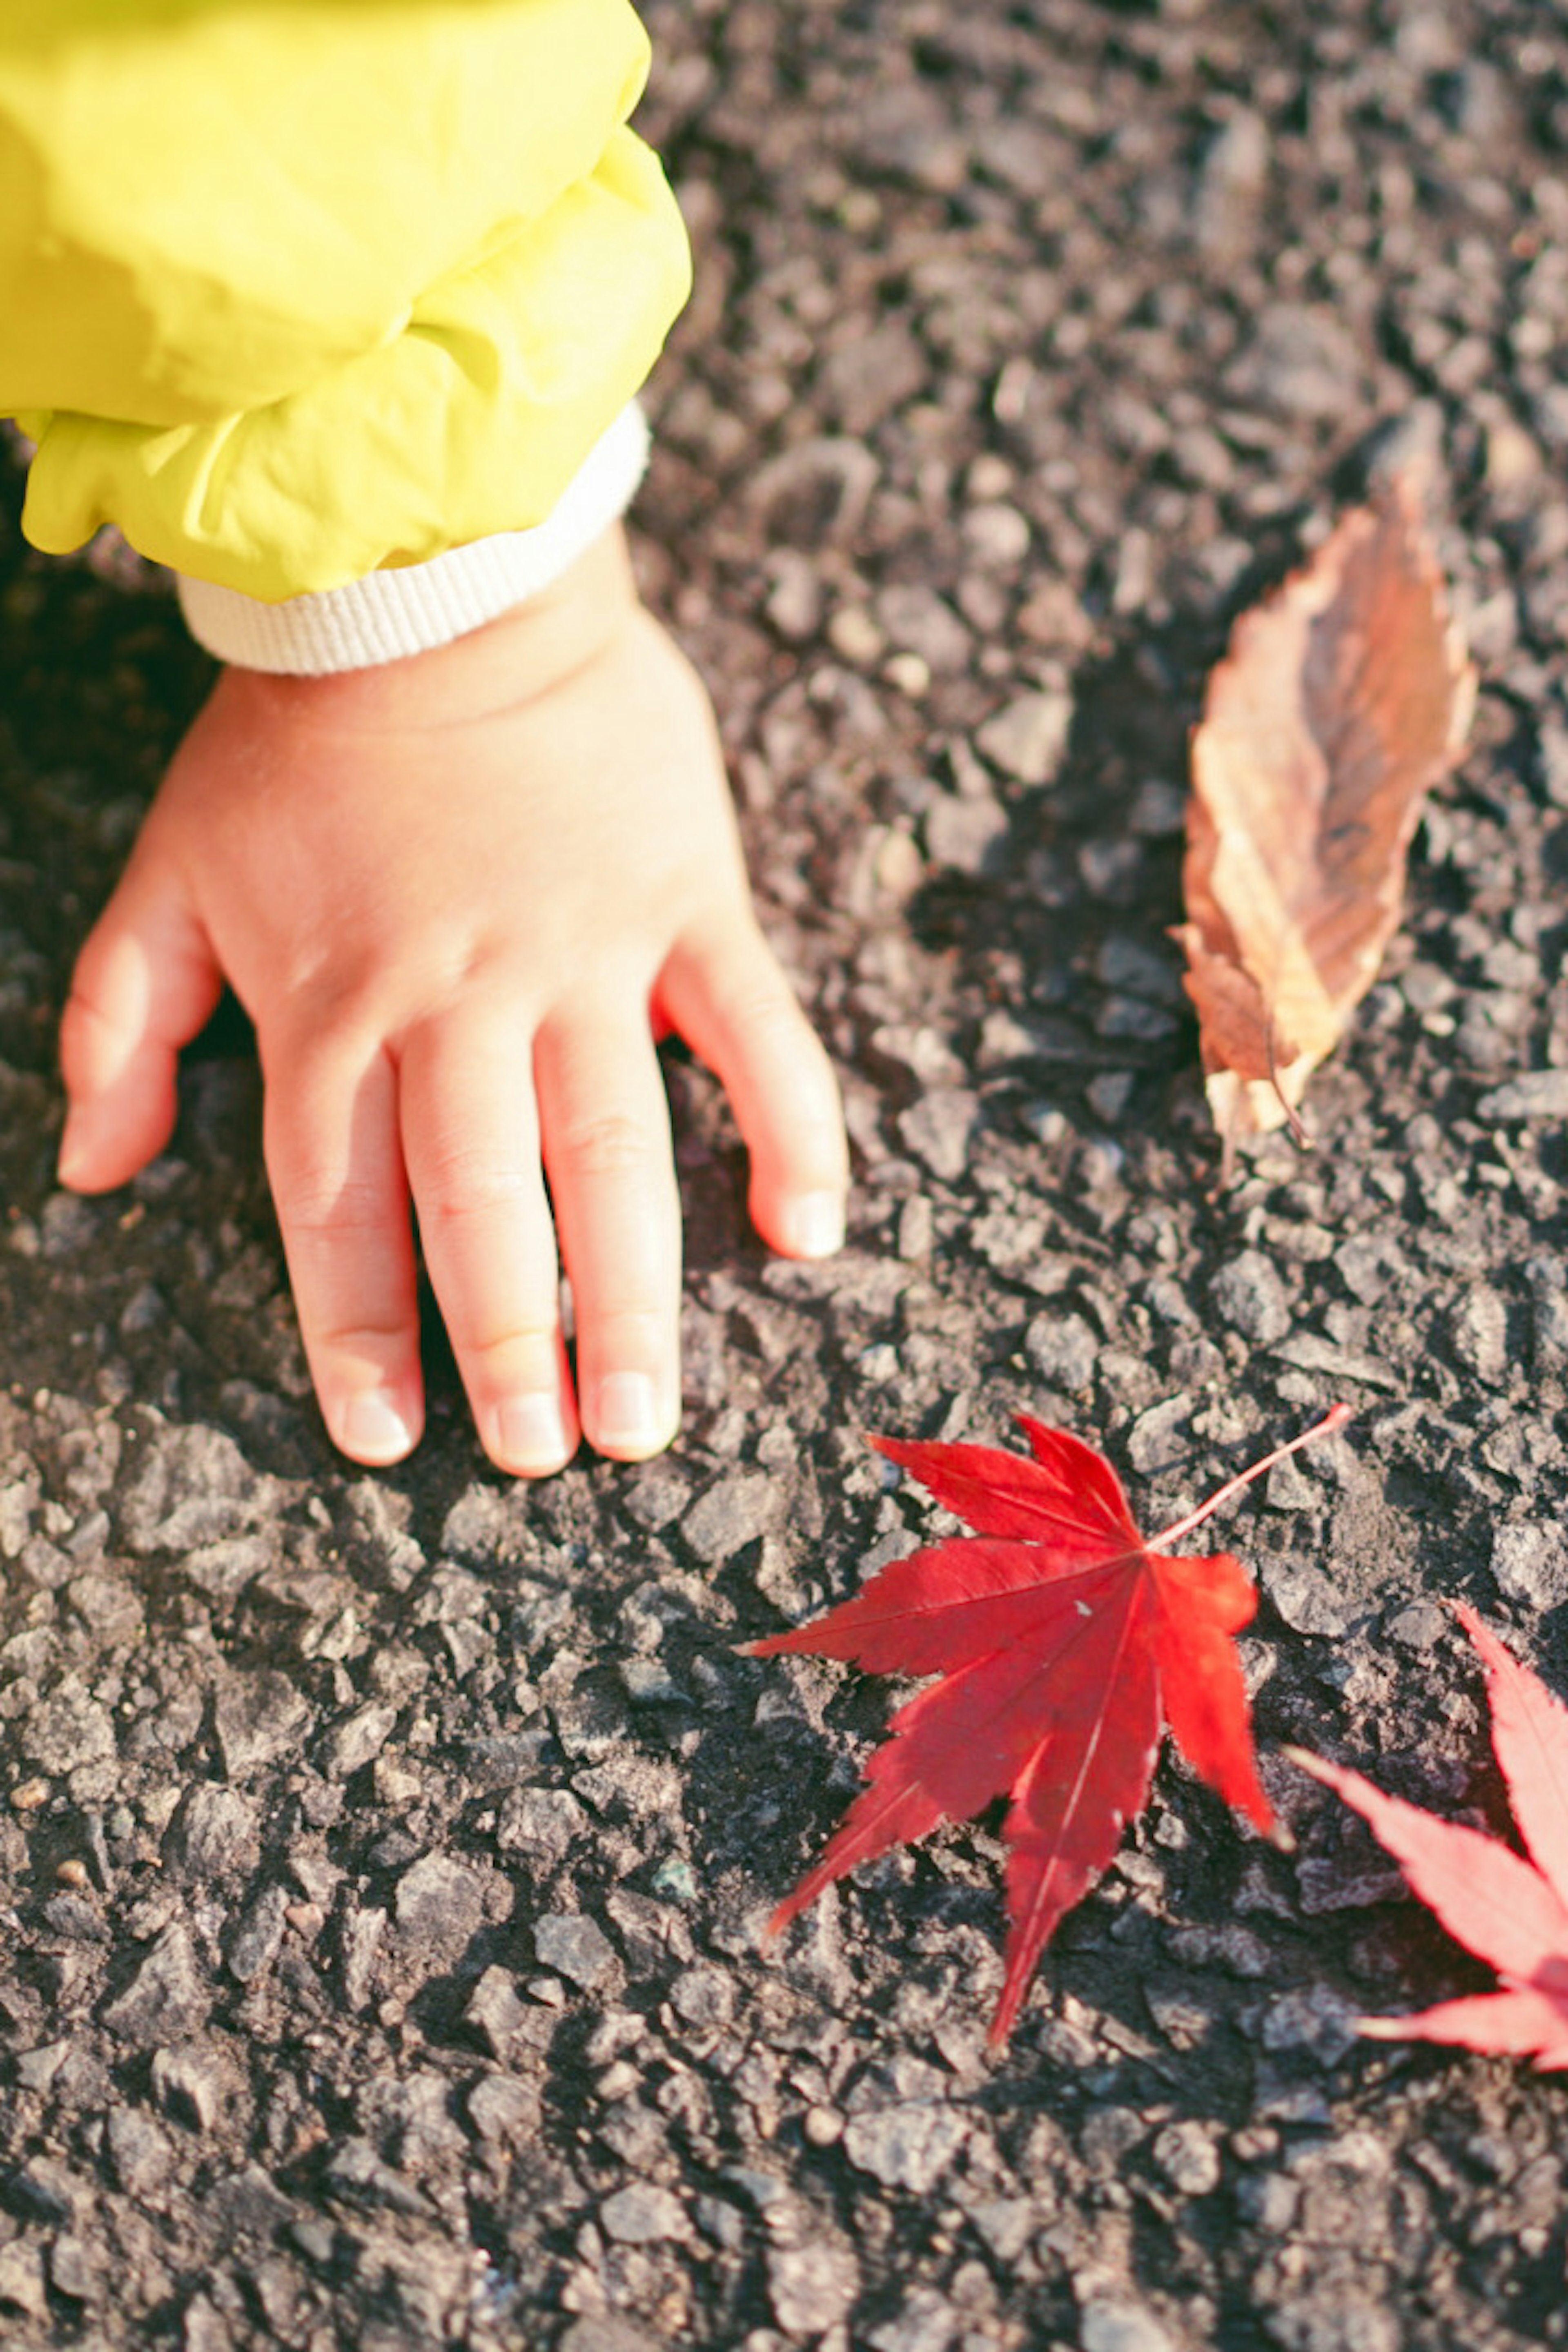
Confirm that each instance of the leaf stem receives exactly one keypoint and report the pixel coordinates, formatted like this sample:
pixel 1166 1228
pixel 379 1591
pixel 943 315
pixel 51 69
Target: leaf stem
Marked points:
pixel 1335 1418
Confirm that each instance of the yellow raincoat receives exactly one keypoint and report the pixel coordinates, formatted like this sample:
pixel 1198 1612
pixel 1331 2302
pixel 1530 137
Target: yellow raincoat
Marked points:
pixel 294 290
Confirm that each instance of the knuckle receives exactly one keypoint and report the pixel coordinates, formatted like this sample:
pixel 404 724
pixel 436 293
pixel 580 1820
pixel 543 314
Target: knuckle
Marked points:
pixel 360 1340
pixel 319 1203
pixel 609 1144
pixel 463 1188
pixel 489 1345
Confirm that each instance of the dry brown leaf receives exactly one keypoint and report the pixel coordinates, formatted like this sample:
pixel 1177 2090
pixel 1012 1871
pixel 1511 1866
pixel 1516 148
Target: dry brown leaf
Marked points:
pixel 1340 700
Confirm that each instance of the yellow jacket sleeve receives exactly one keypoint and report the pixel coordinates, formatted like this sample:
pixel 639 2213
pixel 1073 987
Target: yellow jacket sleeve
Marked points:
pixel 294 290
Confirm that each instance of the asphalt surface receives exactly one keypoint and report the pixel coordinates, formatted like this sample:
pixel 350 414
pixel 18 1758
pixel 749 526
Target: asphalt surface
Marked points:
pixel 384 1857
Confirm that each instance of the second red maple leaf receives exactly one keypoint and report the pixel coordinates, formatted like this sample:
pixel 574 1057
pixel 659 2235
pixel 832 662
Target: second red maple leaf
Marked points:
pixel 1065 1643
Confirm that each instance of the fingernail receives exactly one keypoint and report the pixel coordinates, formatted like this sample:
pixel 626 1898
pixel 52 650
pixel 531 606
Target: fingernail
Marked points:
pixel 530 1433
pixel 813 1225
pixel 70 1164
pixel 628 1410
pixel 373 1430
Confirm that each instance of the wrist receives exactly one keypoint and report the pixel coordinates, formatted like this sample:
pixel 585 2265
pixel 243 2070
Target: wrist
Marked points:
pixel 522 654
pixel 414 608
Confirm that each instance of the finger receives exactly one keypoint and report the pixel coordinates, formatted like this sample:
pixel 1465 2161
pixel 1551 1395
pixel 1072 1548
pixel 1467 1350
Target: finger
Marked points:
pixel 727 995
pixel 612 1179
pixel 145 984
pixel 331 1137
pixel 471 1144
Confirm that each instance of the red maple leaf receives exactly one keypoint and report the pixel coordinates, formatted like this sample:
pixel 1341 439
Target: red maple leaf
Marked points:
pixel 1510 1912
pixel 1064 1643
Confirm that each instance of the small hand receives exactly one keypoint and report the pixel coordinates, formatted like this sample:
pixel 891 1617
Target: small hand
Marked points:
pixel 460 897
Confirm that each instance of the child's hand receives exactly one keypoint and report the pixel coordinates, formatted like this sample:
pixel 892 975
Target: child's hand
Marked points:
pixel 460 896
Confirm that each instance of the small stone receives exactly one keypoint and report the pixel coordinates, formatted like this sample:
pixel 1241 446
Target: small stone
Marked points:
pixel 1478 1330
pixel 1229 180
pixel 996 534
pixel 258 1938
pixel 1105 2326
pixel 871 374
pixel 193 1486
pixel 643 2215
pixel 48 2190
pixel 1300 361
pixel 1007 2224
pixel 359 1738
pixel 1158 810
pixel 854 636
pixel 607 2332
pixel 496 2010
pixel 440 1903
pixel 968 834
pixel 539 1823
pixel 22 2279
pixel 1511 456
pixel 1537 1094
pixel 1157 1440
pixel 1268 2201
pixel 928 2322
pixel 355 2173
pixel 811 2287
pixel 192 2086
pixel 110 1608
pixel 905 2147
pixel 917 619
pixel 1288 1488
pixel 1529 1562
pixel 362 1939
pixel 1249 1297
pixel 940 1128
pixel 139 2151
pixel 1063 1350
pixel 1307 1598
pixel 703 1996
pixel 66 1730
pixel 259 1718
pixel 215 1832
pixel 36 2069
pixel 794 601
pixel 1109 1092
pixel 502 2108
pixel 1365 1265
pixel 75 2269
pixel 1419 1627
pixel 1026 739
pixel 732 1515
pixel 1188 2156
pixel 574 1945
pixel 1313 2018
pixel 248 2205
pixel 166 1999
pixel 647 1682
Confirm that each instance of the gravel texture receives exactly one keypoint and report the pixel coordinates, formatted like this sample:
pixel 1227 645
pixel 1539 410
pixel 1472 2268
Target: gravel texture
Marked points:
pixel 385 1858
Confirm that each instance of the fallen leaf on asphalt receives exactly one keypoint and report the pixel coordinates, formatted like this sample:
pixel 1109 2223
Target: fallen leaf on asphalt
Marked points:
pixel 1342 699
pixel 1510 1911
pixel 1064 1643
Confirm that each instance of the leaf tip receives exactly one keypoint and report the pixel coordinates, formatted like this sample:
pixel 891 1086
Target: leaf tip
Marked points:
pixel 778 1921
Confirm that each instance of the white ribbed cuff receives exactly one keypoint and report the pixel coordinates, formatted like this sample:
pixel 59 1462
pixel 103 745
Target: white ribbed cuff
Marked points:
pixel 411 609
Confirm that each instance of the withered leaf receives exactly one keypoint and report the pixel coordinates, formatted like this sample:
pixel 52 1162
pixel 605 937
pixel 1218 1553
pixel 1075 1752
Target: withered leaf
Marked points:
pixel 1340 700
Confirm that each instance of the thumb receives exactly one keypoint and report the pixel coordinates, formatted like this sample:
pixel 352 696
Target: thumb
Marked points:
pixel 145 982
